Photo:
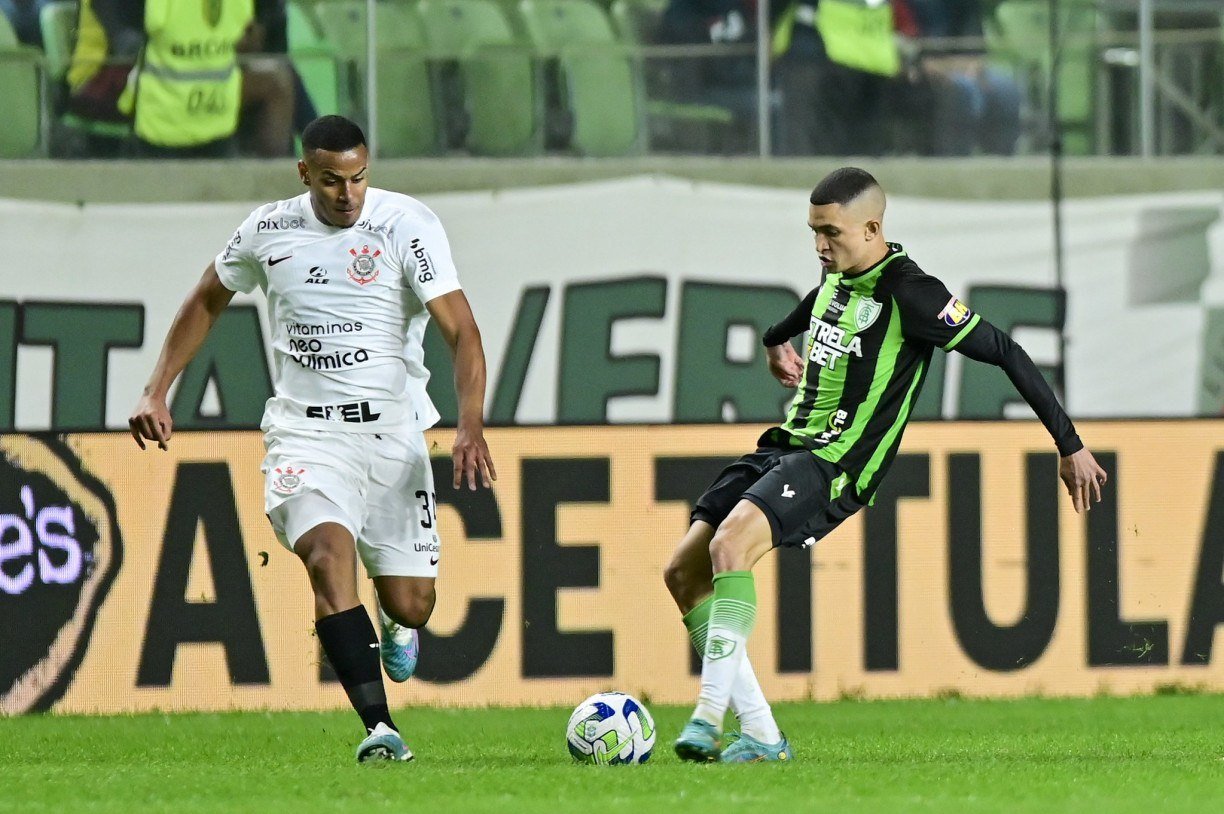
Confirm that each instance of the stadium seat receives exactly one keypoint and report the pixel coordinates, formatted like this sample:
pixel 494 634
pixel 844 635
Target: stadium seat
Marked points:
pixel 407 123
pixel 20 67
pixel 495 71
pixel 58 22
pixel 1019 36
pixel 637 20
pixel 595 72
pixel 313 57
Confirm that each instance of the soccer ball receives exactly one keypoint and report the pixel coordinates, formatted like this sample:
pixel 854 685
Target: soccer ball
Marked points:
pixel 610 728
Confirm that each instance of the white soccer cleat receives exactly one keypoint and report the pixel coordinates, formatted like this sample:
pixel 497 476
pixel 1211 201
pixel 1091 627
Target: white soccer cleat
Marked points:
pixel 384 743
pixel 399 648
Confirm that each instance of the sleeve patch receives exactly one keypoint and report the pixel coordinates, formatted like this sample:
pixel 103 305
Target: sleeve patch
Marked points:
pixel 233 245
pixel 955 313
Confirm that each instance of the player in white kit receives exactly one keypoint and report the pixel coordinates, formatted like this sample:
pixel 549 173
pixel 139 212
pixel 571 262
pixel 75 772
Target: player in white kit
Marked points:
pixel 352 275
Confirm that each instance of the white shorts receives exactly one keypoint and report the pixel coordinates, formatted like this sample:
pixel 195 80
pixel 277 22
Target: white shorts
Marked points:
pixel 379 487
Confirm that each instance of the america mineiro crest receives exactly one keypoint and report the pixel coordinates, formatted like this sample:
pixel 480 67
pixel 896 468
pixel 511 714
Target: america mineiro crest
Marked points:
pixel 363 270
pixel 866 314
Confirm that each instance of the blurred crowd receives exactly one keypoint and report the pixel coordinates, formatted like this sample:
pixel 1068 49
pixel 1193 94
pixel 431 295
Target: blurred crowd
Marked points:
pixel 131 89
pixel 843 81
pixel 850 76
pixel 847 77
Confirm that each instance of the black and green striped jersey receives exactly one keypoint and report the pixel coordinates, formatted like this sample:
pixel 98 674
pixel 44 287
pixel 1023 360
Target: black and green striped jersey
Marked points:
pixel 870 338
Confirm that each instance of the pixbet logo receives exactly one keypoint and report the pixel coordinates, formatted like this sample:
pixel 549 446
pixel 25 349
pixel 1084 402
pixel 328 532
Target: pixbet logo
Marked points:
pixel 280 224
pixel 59 552
pixel 371 226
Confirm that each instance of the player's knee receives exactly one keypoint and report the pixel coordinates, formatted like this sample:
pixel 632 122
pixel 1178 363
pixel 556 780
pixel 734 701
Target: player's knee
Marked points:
pixel 410 610
pixel 327 562
pixel 730 546
pixel 676 577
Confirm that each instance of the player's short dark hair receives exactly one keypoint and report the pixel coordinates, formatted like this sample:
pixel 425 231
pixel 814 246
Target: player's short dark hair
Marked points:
pixel 335 134
pixel 842 186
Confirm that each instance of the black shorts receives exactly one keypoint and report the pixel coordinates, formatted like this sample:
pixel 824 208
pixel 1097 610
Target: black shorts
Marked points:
pixel 794 488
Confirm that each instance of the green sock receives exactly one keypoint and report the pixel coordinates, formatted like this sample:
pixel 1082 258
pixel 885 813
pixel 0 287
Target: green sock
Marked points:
pixel 732 615
pixel 747 701
pixel 696 621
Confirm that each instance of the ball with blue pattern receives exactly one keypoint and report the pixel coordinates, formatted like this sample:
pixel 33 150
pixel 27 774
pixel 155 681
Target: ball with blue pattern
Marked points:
pixel 610 728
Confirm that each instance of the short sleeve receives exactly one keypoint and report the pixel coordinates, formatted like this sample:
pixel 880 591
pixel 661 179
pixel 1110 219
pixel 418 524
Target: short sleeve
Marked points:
pixel 930 314
pixel 237 265
pixel 428 265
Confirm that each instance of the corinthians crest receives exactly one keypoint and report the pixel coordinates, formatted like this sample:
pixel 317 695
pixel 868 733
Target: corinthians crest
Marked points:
pixel 866 314
pixel 363 270
pixel 287 480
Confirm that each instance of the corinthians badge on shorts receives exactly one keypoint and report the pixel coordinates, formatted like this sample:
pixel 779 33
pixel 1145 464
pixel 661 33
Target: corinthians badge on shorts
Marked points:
pixel 61 550
pixel 362 270
pixel 288 480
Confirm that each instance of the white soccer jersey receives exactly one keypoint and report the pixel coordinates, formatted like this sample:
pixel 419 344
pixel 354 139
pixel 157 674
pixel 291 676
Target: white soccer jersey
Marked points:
pixel 347 309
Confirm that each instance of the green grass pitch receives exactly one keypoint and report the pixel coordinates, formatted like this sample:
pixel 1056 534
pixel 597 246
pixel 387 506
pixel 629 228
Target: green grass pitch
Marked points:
pixel 1102 755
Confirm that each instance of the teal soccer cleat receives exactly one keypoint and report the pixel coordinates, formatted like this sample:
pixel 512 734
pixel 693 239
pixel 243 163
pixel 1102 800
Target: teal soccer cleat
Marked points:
pixel 698 742
pixel 399 649
pixel 747 749
pixel 384 743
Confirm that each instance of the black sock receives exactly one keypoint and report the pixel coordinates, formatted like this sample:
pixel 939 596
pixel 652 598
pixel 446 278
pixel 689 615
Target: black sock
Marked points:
pixel 351 646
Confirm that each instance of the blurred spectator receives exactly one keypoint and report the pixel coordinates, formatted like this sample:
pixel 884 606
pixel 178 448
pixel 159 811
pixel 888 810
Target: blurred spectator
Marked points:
pixel 272 37
pixel 835 63
pixel 104 54
pixel 185 96
pixel 729 82
pixel 184 100
pixel 23 17
pixel 976 106
pixel 268 84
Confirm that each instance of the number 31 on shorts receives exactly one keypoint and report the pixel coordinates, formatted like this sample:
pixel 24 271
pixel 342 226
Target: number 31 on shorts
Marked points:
pixel 429 508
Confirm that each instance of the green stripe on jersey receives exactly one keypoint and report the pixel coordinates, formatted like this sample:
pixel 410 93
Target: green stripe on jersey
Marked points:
pixel 831 381
pixel 880 379
pixel 827 291
pixel 963 332
pixel 890 438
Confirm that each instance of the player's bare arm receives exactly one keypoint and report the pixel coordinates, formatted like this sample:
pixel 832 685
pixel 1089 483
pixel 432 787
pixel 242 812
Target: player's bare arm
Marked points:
pixel 453 315
pixel 1077 468
pixel 151 419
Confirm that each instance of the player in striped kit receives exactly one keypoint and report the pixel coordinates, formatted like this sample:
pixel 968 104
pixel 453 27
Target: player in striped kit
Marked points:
pixel 872 325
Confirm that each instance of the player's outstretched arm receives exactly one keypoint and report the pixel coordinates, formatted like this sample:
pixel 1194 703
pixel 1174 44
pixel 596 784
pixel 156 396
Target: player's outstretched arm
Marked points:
pixel 453 315
pixel 195 318
pixel 1079 471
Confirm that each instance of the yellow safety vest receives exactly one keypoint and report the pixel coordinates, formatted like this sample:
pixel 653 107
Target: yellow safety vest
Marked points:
pixel 189 87
pixel 89 52
pixel 856 33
